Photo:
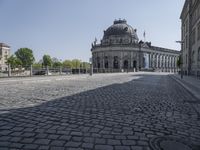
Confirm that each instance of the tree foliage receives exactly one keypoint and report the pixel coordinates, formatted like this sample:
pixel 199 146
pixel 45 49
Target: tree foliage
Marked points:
pixel 37 65
pixel 25 55
pixel 67 64
pixel 47 61
pixel 56 62
pixel 179 61
pixel 76 63
pixel 14 62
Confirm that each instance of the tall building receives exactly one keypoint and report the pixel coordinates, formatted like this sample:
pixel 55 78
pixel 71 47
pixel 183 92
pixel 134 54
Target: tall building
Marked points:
pixel 4 54
pixel 190 17
pixel 120 49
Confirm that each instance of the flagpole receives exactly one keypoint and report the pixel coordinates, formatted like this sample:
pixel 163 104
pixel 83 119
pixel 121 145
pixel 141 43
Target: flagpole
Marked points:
pixel 144 35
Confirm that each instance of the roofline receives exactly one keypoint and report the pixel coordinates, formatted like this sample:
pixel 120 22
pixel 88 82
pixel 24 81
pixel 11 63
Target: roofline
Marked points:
pixel 4 45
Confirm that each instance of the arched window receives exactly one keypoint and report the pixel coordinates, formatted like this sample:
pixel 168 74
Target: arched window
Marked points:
pixel 106 62
pixel 126 64
pixel 193 57
pixel 116 62
pixel 134 64
pixel 98 62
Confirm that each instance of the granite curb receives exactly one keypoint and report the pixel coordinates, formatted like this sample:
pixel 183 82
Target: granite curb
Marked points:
pixel 191 88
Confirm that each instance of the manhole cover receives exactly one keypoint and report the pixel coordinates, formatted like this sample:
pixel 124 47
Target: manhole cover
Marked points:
pixel 169 143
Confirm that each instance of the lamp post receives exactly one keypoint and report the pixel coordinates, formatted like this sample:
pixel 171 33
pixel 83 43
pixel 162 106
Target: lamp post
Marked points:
pixel 181 57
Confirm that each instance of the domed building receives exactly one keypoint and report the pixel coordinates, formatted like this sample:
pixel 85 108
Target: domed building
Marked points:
pixel 120 50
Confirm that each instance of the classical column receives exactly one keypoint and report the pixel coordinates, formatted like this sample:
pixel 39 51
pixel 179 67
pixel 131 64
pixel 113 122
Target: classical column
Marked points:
pixel 160 61
pixel 164 62
pixel 149 60
pixel 157 60
pixel 120 60
pixel 153 61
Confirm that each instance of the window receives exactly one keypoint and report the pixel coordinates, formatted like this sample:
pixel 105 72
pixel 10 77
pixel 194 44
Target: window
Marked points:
pixel 186 42
pixel 193 36
pixel 193 55
pixel 186 26
pixel 186 58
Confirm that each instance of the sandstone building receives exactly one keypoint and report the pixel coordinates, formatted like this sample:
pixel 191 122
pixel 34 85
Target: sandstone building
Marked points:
pixel 120 49
pixel 4 54
pixel 190 17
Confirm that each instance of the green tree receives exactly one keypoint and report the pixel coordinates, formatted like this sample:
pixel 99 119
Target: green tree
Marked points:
pixel 56 63
pixel 85 65
pixel 76 63
pixel 37 65
pixel 179 61
pixel 14 62
pixel 67 64
pixel 25 55
pixel 47 61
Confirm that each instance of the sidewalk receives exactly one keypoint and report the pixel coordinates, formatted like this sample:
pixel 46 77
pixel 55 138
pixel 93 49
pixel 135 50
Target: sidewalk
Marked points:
pixel 190 83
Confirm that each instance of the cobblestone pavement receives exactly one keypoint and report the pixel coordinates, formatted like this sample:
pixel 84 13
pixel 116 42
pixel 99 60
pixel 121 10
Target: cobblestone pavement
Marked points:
pixel 103 112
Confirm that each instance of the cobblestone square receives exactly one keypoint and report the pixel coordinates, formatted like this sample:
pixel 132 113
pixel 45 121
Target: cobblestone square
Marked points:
pixel 123 111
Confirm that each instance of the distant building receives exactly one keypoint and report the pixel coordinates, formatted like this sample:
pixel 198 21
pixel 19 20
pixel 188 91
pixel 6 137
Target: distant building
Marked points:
pixel 120 49
pixel 4 54
pixel 190 17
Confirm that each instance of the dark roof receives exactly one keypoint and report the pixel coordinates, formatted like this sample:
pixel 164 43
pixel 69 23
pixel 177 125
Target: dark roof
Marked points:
pixel 120 27
pixel 4 45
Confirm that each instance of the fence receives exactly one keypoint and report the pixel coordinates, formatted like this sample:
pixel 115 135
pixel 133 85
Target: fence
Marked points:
pixel 44 71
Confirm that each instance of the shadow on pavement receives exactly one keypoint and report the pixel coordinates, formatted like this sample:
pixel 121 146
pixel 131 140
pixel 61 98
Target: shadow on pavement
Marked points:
pixel 118 116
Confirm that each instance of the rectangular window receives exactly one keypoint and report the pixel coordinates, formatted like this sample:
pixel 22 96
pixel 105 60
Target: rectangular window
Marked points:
pixel 193 36
pixel 186 26
pixel 186 42
pixel 186 59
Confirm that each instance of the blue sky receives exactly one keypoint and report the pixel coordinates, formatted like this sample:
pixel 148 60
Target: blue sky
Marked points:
pixel 66 28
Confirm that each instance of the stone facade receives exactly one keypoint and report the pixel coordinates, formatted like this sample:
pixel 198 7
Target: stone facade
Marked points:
pixel 120 49
pixel 4 54
pixel 190 18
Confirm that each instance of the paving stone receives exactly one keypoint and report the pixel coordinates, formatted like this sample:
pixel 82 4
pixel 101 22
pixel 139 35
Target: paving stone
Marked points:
pixel 88 139
pixel 129 142
pixel 122 148
pixel 57 148
pixel 88 145
pixel 113 142
pixel 103 147
pixel 123 111
pixel 137 148
pixel 57 143
pixel 42 141
pixel 73 144
pixel 30 146
pixel 100 141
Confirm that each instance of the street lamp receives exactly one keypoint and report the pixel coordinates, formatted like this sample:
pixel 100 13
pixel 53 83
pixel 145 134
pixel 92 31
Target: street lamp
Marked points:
pixel 180 58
